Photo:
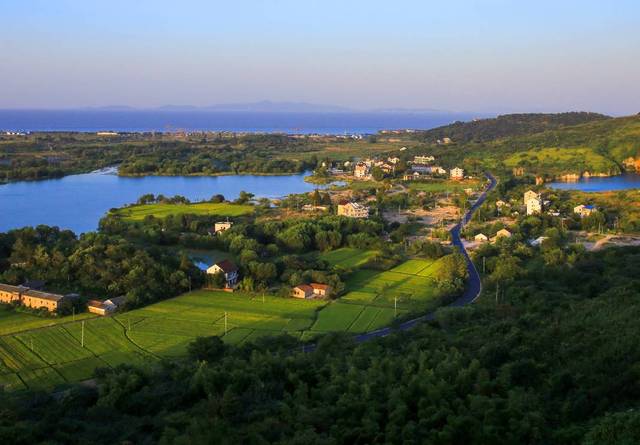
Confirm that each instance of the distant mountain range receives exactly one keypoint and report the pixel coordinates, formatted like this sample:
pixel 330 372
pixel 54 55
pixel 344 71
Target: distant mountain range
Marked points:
pixel 267 106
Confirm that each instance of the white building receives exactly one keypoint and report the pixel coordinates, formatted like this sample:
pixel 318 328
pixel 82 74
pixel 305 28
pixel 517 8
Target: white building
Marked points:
pixel 361 170
pixel 584 210
pixel 353 210
pixel 534 206
pixel 229 270
pixel 423 159
pixel 481 238
pixel 221 226
pixel 456 173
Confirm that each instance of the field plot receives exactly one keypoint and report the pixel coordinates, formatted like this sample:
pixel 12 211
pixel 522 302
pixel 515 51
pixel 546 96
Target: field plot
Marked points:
pixel 348 257
pixel 337 317
pixel 140 212
pixel 12 321
pixel 68 352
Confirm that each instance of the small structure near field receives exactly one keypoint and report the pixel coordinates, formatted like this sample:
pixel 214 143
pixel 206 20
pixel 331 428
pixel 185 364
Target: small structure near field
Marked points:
pixel 221 226
pixel 502 233
pixel 311 290
pixel 106 307
pixel 228 268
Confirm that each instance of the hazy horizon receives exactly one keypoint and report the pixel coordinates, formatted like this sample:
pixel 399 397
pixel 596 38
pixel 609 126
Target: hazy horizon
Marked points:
pixel 491 56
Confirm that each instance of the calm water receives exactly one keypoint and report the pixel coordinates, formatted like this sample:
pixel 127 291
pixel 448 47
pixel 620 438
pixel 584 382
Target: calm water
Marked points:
pixel 239 121
pixel 611 183
pixel 78 202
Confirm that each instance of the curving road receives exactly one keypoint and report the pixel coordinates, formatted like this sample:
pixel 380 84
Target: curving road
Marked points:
pixel 474 285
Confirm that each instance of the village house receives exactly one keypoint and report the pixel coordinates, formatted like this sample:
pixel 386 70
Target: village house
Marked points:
pixel 302 291
pixel 411 176
pixel 9 293
pixel 221 226
pixel 105 307
pixel 456 173
pixel 394 160
pixel 311 290
pixel 502 233
pixel 361 170
pixel 500 204
pixel 353 210
pixel 423 159
pixel 530 194
pixel 481 238
pixel 387 168
pixel 584 210
pixel 228 268
pixel 538 241
pixel 321 290
pixel 421 168
pixel 37 299
pixel 534 206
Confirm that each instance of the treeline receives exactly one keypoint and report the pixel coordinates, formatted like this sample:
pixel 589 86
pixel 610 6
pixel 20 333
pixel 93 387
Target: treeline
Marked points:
pixel 96 265
pixel 48 155
pixel 508 125
pixel 554 361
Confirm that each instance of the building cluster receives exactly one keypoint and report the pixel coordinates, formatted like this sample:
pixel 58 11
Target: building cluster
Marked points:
pixel 362 169
pixel 32 298
pixel 311 290
pixel 533 202
pixel 482 238
pixel 353 210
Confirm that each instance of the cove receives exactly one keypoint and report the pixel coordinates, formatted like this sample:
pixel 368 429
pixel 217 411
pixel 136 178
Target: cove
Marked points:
pixel 601 184
pixel 77 202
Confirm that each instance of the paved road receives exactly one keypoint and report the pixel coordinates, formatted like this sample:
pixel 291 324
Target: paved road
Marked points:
pixel 474 285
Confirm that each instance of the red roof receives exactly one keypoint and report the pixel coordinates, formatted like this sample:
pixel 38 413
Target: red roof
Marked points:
pixel 319 286
pixel 227 266
pixel 305 288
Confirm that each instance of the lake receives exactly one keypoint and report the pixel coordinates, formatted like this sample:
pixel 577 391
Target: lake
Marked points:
pixel 77 202
pixel 611 183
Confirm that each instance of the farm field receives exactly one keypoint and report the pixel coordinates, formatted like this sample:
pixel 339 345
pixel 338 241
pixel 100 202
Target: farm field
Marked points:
pixel 139 212
pixel 70 351
pixel 562 159
pixel 348 257
pixel 12 321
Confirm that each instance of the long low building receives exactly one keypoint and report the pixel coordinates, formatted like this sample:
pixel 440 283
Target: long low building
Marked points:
pixel 30 298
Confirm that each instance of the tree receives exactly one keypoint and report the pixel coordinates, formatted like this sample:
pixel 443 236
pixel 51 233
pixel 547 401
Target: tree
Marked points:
pixel 218 280
pixel 206 349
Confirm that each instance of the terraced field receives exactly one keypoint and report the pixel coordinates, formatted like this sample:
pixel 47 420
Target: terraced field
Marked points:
pixel 70 351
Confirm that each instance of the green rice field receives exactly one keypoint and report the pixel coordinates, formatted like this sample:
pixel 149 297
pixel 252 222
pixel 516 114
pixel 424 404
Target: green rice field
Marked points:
pixel 43 356
pixel 348 257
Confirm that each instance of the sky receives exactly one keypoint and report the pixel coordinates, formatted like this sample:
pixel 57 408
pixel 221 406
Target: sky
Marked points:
pixel 459 55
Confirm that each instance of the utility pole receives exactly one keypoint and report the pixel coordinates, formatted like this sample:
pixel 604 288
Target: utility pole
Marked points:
pixel 497 290
pixel 129 322
pixel 73 317
pixel 484 264
pixel 262 297
pixel 82 336
pixel 395 307
pixel 225 323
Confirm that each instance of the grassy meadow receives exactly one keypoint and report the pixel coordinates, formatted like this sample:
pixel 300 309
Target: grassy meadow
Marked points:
pixel 140 212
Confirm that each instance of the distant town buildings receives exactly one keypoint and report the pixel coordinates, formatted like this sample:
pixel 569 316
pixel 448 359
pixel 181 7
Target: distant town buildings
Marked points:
pixel 361 170
pixel 423 159
pixel 584 210
pixel 456 173
pixel 353 210
pixel 481 238
pixel 533 202
pixel 502 233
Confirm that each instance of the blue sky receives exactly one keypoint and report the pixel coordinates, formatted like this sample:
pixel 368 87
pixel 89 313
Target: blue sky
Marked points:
pixel 489 56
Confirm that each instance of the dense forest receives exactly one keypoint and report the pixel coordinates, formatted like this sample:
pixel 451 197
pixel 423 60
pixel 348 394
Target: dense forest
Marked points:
pixel 553 361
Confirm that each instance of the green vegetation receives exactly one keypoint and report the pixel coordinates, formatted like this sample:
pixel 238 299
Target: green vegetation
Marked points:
pixel 348 257
pixel 541 361
pixel 12 320
pixel 223 209
pixel 562 160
